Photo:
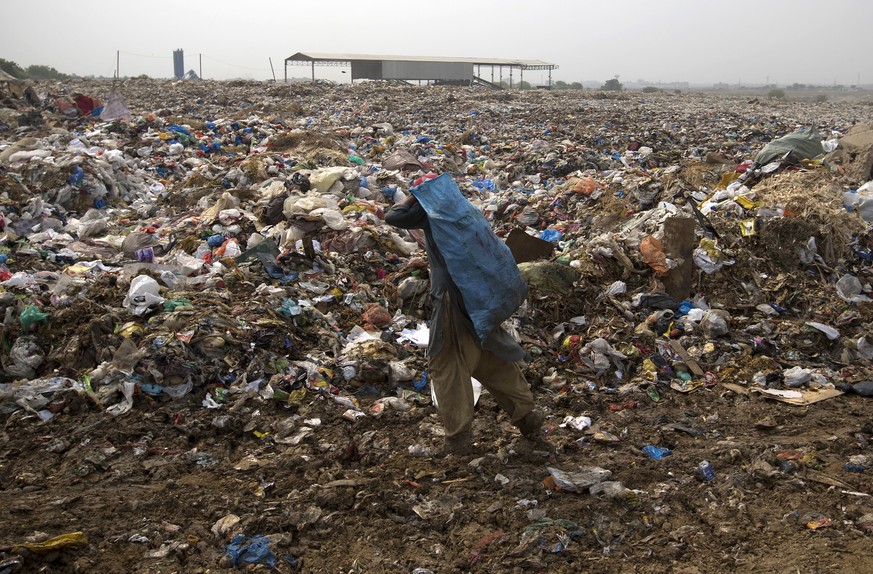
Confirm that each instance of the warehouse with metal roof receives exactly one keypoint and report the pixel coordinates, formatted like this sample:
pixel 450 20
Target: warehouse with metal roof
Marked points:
pixel 448 70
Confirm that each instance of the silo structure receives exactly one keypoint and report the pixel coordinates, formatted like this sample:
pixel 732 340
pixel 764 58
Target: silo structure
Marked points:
pixel 179 64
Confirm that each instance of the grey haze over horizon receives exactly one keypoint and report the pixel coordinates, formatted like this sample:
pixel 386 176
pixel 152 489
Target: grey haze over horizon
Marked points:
pixel 703 43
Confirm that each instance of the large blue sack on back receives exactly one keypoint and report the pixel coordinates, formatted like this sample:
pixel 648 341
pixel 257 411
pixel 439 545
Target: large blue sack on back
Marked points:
pixel 481 265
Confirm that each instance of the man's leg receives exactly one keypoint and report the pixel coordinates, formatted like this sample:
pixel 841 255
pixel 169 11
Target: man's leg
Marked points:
pixel 450 372
pixel 506 383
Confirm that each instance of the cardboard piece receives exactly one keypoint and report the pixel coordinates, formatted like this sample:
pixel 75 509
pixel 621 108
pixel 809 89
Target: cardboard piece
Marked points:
pixel 800 398
pixel 686 358
pixel 679 243
pixel 821 478
pixel 738 389
pixel 526 247
pixel 401 159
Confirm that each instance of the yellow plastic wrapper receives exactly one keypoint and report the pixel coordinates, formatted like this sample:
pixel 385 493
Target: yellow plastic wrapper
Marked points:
pixel 58 542
pixel 356 207
pixel 745 202
pixel 572 342
pixel 293 397
pixel 727 179
pixel 686 386
pixel 819 522
pixel 78 270
pixel 709 245
pixel 630 351
pixel 748 227
pixel 128 330
pixel 650 370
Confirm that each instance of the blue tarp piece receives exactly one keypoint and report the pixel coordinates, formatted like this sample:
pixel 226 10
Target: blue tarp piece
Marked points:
pixel 480 264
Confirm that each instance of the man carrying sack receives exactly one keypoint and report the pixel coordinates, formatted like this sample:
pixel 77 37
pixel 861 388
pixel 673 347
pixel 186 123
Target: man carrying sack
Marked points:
pixel 475 286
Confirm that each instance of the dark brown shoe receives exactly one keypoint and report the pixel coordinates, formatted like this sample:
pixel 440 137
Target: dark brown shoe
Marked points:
pixel 459 445
pixel 531 425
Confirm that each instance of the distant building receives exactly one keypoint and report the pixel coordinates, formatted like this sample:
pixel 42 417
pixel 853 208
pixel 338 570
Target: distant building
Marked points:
pixel 463 71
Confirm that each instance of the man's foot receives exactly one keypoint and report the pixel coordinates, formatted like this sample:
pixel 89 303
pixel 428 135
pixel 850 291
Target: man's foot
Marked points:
pixel 459 445
pixel 531 425
pixel 532 450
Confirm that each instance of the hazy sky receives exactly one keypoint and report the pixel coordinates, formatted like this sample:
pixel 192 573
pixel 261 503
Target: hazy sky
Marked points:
pixel 700 41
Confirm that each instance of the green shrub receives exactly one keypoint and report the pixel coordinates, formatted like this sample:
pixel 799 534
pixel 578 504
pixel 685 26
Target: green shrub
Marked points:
pixel 40 72
pixel 776 93
pixel 12 68
pixel 34 72
pixel 612 85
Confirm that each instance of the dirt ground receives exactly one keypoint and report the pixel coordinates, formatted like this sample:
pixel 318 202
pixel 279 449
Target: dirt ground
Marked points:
pixel 165 487
pixel 345 498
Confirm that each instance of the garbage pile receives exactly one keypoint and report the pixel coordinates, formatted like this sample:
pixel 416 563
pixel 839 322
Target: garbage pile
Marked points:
pixel 190 244
pixel 174 254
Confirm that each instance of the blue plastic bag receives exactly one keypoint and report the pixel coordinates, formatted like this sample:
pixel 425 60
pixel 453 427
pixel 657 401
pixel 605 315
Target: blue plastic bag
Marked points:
pixel 551 235
pixel 484 185
pixel 656 453
pixel 420 384
pixel 76 176
pixel 480 264
pixel 254 550
pixel 215 241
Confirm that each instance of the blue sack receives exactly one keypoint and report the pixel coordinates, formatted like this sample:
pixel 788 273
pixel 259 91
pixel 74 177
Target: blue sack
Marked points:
pixel 480 264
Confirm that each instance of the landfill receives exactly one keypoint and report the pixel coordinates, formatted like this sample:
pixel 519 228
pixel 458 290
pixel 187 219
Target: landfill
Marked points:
pixel 213 347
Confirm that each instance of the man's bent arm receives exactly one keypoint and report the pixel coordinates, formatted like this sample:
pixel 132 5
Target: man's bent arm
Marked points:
pixel 408 214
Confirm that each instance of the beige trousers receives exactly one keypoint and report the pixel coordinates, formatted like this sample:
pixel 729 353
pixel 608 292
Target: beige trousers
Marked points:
pixel 460 359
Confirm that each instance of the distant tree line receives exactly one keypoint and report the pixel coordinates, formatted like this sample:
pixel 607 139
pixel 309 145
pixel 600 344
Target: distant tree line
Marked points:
pixel 34 72
pixel 612 85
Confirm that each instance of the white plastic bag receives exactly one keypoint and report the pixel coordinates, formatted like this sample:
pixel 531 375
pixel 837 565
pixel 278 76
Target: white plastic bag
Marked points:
pixel 143 295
